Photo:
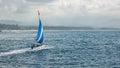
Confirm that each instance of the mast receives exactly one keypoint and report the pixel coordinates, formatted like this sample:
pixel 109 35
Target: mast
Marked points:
pixel 39 14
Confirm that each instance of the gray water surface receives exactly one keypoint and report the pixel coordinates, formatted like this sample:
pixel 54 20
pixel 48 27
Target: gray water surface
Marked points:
pixel 63 49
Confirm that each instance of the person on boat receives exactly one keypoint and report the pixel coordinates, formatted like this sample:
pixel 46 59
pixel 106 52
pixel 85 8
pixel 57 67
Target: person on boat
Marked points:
pixel 32 46
pixel 37 45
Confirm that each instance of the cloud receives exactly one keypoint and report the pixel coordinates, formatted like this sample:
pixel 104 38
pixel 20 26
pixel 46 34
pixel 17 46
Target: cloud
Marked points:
pixel 39 1
pixel 63 12
pixel 10 6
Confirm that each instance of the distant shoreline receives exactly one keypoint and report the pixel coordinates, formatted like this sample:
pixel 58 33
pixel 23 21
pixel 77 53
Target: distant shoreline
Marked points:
pixel 17 27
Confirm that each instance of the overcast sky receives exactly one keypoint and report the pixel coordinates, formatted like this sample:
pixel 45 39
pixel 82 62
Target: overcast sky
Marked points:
pixel 95 13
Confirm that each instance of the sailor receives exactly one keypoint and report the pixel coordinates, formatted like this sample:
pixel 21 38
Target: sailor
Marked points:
pixel 32 46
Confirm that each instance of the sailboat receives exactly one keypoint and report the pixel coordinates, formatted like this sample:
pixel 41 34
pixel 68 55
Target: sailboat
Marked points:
pixel 40 34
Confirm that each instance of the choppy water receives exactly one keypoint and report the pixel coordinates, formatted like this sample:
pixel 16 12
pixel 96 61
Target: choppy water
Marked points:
pixel 63 49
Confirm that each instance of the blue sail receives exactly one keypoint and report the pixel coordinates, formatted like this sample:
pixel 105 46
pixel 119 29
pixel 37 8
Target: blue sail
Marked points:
pixel 40 33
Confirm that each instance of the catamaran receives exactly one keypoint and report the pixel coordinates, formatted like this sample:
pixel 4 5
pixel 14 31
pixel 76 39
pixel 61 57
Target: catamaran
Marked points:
pixel 40 34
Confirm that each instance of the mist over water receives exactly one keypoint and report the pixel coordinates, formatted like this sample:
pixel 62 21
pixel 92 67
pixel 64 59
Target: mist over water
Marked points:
pixel 64 49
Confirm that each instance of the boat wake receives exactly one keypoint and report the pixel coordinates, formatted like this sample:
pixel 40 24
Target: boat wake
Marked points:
pixel 25 50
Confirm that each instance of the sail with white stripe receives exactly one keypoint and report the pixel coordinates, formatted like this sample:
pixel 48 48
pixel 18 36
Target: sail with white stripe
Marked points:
pixel 40 33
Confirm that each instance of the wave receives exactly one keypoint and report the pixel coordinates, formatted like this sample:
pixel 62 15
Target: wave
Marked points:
pixel 25 50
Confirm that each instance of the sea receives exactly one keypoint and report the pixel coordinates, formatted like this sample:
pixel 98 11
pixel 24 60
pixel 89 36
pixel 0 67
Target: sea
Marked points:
pixel 61 49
